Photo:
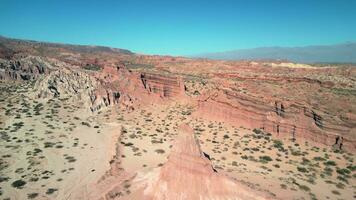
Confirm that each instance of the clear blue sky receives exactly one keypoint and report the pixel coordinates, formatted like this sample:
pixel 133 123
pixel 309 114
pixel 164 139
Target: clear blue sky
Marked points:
pixel 181 27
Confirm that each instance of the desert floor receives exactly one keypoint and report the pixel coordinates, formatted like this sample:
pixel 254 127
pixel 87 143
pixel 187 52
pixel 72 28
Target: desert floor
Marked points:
pixel 53 148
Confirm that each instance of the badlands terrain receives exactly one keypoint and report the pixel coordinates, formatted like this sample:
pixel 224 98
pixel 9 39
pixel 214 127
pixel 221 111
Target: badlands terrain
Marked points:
pixel 88 122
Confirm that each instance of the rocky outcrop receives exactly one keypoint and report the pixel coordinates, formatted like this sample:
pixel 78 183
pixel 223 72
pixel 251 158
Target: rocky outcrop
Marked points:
pixel 282 119
pixel 23 69
pixel 67 83
pixel 112 86
pixel 187 174
pixel 163 85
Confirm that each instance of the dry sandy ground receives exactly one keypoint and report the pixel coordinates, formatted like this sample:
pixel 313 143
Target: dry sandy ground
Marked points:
pixel 51 149
pixel 62 149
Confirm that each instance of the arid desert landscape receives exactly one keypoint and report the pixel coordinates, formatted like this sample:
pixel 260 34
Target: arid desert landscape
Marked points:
pixel 89 122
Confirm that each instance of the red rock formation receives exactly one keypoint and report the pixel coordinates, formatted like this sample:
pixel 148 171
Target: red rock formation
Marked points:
pixel 163 85
pixel 282 119
pixel 188 174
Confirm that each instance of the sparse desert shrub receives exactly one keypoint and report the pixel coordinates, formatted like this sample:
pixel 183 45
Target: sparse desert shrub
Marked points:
pixel 328 171
pixel 18 184
pixel 265 159
pixel 128 144
pixel 51 190
pixel 318 158
pixel 284 186
pixel 70 159
pixel 33 179
pixel 343 179
pixel 32 195
pixel 48 144
pixel 330 163
pixel 304 188
pixel 305 161
pixel 302 169
pixel 311 180
pixel 351 167
pixel 278 144
pixel 340 185
pixel 86 124
pixel 159 151
pixel 343 171
pixel 257 131
pixel 4 179
pixel 335 192
pixel 188 112
pixel 255 149
pixel 296 152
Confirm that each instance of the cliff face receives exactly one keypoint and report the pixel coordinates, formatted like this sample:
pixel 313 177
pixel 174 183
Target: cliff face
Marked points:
pixel 283 119
pixel 109 87
pixel 163 85
pixel 23 69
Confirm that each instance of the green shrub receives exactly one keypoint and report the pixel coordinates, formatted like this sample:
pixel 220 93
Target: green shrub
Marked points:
pixel 304 188
pixel 265 159
pixel 343 171
pixel 302 169
pixel 18 184
pixel 335 192
pixel 318 158
pixel 159 151
pixel 51 190
pixel 32 195
pixel 330 163
pixel 278 144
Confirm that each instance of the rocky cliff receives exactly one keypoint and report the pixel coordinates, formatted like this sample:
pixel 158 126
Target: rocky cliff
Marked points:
pixel 109 87
pixel 23 69
pixel 163 85
pixel 287 119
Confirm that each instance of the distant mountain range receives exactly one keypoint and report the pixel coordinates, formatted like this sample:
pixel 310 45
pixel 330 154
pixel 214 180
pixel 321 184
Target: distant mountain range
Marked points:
pixel 340 53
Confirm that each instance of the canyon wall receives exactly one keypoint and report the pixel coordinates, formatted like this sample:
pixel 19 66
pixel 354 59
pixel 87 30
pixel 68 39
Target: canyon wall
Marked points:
pixel 109 87
pixel 163 85
pixel 282 119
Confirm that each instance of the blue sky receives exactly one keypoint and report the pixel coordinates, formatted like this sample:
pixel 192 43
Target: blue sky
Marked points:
pixel 181 27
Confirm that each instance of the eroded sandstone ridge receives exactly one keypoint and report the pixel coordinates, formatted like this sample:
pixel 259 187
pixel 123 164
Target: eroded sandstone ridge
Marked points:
pixel 188 174
pixel 288 119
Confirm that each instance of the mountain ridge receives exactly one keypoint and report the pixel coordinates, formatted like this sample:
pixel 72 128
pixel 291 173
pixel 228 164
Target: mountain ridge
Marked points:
pixel 338 53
